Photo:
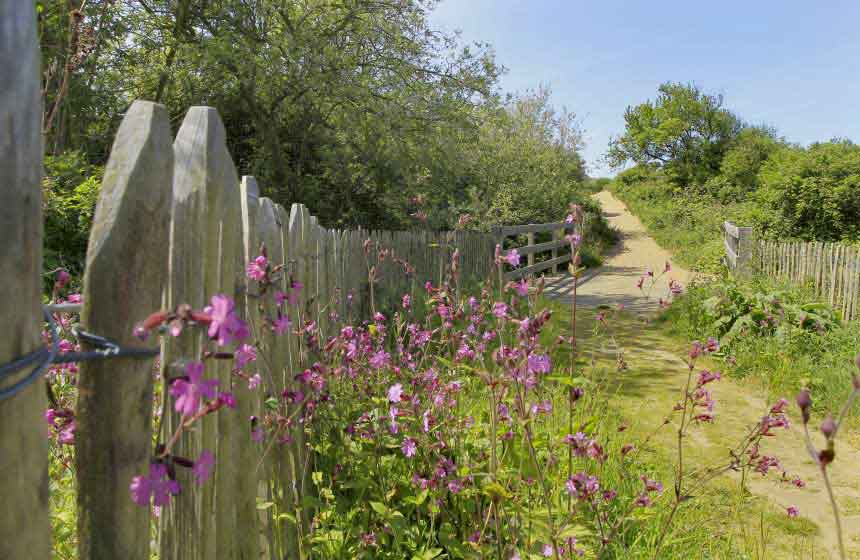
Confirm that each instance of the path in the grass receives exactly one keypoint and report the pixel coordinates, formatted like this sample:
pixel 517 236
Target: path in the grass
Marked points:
pixel 651 385
pixel 615 281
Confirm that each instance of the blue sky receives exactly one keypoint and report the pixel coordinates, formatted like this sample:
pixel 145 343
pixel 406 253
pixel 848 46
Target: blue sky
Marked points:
pixel 791 64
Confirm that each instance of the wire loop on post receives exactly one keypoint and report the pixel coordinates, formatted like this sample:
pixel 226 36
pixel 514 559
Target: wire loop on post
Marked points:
pixel 43 357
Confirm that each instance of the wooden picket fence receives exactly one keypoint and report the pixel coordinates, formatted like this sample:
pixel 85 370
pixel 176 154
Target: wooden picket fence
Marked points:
pixel 832 269
pixel 174 225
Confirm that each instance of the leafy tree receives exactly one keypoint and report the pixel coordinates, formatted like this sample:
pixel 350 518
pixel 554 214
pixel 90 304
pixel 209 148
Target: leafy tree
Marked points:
pixel 684 131
pixel 740 166
pixel 811 193
pixel 70 189
pixel 525 166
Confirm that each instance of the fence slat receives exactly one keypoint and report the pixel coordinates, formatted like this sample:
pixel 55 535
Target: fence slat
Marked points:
pixel 126 267
pixel 252 526
pixel 206 254
pixel 24 525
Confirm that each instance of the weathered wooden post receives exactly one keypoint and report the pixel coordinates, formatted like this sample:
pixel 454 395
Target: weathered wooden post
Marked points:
pixel 248 402
pixel 530 236
pixel 206 256
pixel 745 250
pixel 24 525
pixel 739 245
pixel 125 274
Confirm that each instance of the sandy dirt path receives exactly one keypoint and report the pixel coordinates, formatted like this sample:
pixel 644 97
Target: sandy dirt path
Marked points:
pixel 615 281
pixel 651 385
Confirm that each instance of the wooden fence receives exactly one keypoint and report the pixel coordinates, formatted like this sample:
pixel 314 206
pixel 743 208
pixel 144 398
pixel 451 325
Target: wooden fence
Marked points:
pixel 832 269
pixel 174 224
pixel 530 250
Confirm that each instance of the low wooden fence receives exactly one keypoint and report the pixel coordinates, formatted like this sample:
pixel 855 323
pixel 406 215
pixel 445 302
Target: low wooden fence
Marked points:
pixel 531 249
pixel 832 269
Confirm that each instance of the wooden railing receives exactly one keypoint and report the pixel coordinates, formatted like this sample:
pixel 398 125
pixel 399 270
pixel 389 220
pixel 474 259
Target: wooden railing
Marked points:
pixel 531 249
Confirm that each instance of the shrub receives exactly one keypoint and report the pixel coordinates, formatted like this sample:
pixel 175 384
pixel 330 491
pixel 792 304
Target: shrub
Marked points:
pixel 70 189
pixel 812 193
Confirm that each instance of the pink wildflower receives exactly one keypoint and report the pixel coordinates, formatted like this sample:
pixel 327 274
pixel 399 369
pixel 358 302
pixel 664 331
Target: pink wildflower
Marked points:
pixel 202 468
pixel 154 485
pixel 539 363
pixel 67 434
pixel 244 355
pixel 380 359
pixel 500 309
pixel 513 258
pixel 63 278
pixel 395 392
pixel 226 326
pixel 256 269
pixel 409 447
pixel 188 393
pixel 281 325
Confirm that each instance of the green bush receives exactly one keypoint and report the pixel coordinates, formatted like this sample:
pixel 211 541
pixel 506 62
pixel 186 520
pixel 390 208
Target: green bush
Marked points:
pixel 741 164
pixel 811 193
pixel 70 190
pixel 686 223
pixel 801 343
pixel 733 312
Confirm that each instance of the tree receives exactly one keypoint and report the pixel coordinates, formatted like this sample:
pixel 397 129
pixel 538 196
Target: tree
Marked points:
pixel 684 131
pixel 812 193
pixel 739 169
pixel 525 166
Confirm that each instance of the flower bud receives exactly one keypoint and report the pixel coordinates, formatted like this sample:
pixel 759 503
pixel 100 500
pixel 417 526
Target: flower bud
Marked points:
pixel 828 427
pixel 804 401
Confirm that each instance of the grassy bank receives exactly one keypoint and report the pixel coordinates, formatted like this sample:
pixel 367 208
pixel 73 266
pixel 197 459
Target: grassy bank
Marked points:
pixel 805 344
pixel 686 223
pixel 722 521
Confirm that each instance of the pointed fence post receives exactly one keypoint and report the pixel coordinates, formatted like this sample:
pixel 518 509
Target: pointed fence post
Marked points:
pixel 248 402
pixel 24 526
pixel 206 254
pixel 125 272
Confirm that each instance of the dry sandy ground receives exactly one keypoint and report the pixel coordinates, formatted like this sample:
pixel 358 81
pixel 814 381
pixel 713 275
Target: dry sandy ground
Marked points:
pixel 651 386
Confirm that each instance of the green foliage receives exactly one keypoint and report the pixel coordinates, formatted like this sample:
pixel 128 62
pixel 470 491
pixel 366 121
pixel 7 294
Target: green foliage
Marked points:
pixel 523 167
pixel 70 189
pixel 684 131
pixel 812 193
pixel 687 223
pixel 802 344
pixel 361 110
pixel 741 164
pixel 733 312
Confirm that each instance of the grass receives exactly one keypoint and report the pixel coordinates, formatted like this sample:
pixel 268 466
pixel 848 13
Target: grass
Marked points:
pixel 687 224
pixel 722 521
pixel 780 365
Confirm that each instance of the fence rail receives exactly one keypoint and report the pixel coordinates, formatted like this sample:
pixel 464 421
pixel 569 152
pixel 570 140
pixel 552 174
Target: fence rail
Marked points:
pixel 531 249
pixel 832 269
